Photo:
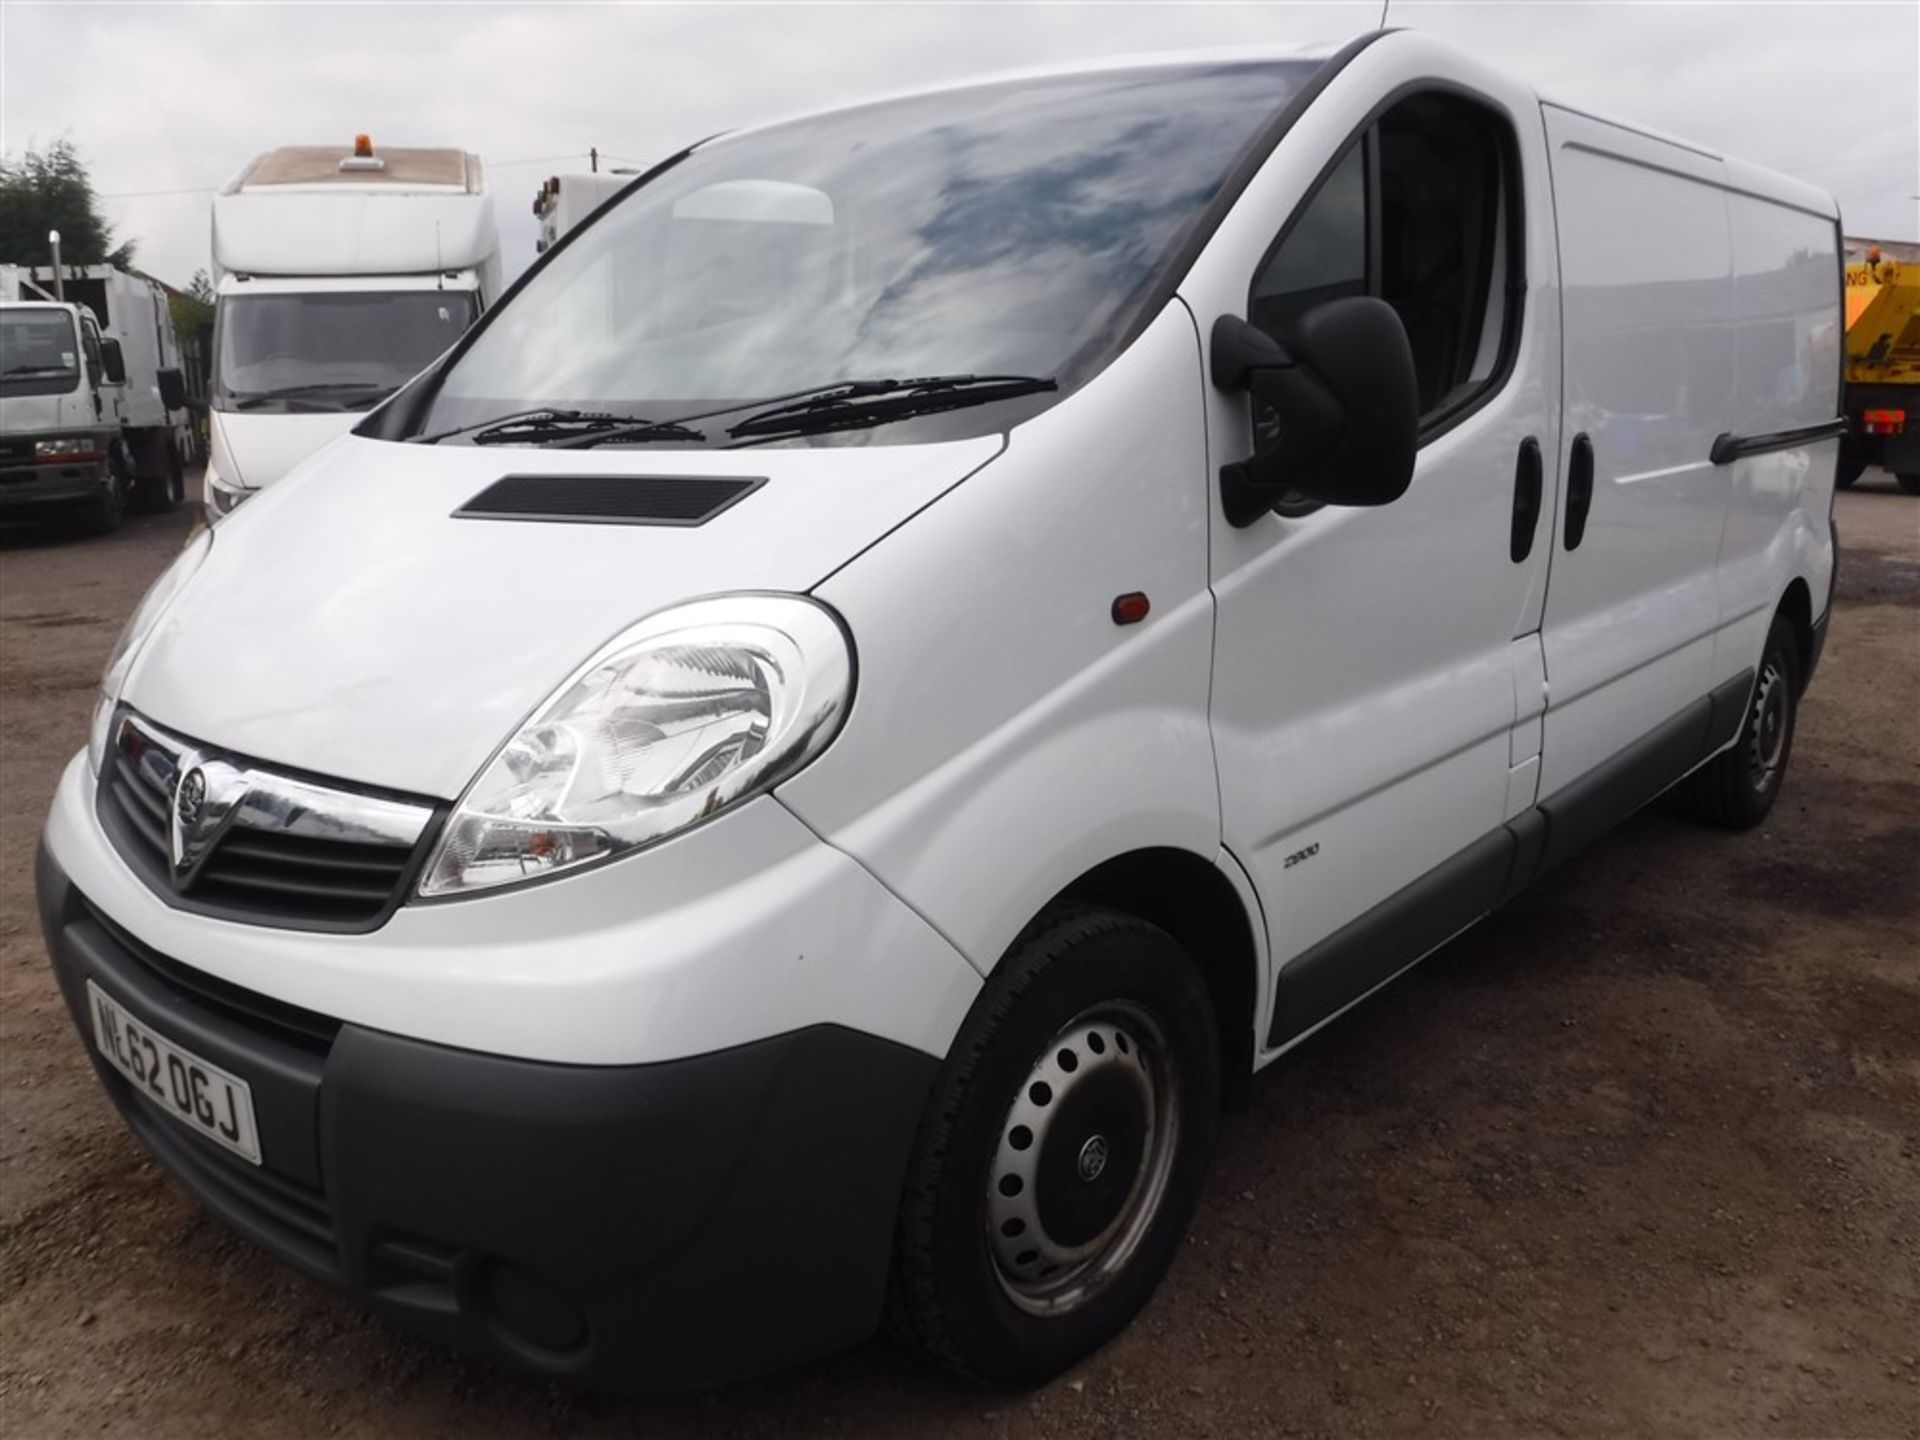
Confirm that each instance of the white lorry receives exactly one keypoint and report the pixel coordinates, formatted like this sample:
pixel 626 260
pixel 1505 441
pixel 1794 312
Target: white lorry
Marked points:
pixel 93 402
pixel 675 838
pixel 566 200
pixel 339 274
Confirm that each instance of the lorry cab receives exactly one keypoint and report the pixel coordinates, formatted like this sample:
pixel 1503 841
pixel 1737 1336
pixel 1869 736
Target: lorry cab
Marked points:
pixel 915 652
pixel 339 275
pixel 60 409
pixel 93 413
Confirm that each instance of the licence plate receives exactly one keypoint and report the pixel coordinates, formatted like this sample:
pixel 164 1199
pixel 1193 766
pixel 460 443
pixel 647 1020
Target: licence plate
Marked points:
pixel 199 1095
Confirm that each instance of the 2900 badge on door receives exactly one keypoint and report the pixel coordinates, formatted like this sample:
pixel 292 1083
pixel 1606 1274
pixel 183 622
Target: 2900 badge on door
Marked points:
pixel 193 1091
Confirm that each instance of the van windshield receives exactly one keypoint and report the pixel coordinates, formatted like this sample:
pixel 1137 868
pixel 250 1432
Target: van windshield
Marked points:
pixel 1009 229
pixel 336 350
pixel 38 352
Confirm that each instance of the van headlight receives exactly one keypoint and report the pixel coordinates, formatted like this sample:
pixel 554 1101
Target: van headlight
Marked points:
pixel 221 497
pixel 134 634
pixel 672 721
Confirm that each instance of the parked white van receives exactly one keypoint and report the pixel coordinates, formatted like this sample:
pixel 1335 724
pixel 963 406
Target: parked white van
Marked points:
pixel 787 777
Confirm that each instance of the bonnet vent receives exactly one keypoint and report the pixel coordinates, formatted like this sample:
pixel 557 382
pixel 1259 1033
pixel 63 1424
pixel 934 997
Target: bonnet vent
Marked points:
pixel 608 499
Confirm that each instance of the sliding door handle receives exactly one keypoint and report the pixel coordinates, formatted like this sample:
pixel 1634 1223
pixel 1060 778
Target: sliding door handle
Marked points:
pixel 1527 472
pixel 1579 489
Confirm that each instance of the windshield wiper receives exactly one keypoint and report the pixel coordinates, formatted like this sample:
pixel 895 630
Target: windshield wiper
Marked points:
pixel 859 403
pixel 564 428
pixel 37 370
pixel 518 417
pixel 844 404
pixel 576 432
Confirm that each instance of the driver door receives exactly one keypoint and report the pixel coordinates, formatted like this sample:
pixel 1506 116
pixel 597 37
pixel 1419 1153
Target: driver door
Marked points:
pixel 1377 691
pixel 108 397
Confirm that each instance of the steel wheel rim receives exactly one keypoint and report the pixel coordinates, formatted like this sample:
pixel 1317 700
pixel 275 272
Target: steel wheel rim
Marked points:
pixel 1769 727
pixel 1121 1049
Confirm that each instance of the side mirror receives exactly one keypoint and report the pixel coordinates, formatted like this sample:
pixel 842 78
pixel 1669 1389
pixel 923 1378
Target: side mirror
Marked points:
pixel 1343 392
pixel 173 389
pixel 112 361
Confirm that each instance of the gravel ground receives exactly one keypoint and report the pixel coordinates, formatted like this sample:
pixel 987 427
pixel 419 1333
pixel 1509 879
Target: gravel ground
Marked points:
pixel 1639 1155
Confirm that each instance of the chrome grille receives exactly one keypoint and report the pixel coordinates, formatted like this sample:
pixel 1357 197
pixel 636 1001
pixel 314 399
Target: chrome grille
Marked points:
pixel 255 844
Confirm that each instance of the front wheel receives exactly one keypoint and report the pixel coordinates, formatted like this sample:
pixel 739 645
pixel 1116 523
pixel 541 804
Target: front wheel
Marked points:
pixel 1737 788
pixel 107 510
pixel 1063 1150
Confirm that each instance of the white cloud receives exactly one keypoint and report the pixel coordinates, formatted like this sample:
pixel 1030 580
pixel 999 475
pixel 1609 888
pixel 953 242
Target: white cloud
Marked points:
pixel 175 96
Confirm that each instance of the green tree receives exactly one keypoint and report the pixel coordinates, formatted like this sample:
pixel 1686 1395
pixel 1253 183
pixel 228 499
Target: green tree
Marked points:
pixel 193 307
pixel 50 190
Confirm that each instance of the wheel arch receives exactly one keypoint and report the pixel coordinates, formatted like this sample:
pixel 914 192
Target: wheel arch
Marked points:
pixel 1796 608
pixel 1193 900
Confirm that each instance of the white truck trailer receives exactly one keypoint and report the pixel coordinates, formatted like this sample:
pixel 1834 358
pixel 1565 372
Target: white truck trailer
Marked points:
pixel 566 200
pixel 93 402
pixel 339 275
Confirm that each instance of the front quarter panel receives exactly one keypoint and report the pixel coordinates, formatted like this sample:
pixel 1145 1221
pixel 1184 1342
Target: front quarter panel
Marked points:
pixel 735 931
pixel 1007 735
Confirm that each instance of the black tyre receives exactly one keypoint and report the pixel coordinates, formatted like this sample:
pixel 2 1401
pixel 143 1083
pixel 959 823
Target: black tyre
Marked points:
pixel 161 494
pixel 1847 472
pixel 1062 1153
pixel 1909 481
pixel 1737 787
pixel 108 509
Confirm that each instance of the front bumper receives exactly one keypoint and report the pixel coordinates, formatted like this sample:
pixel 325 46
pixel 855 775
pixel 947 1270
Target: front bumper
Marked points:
pixel 54 482
pixel 629 1227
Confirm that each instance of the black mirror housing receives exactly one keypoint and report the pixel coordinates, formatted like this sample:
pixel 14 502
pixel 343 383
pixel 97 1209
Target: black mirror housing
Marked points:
pixel 173 389
pixel 112 361
pixel 1348 404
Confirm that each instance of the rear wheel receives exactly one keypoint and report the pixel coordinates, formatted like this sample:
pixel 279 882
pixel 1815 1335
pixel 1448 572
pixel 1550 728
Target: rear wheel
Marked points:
pixel 163 493
pixel 1738 786
pixel 1848 472
pixel 1062 1153
pixel 1909 481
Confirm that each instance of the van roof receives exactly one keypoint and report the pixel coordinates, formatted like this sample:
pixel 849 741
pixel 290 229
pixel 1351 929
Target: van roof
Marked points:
pixel 1265 52
pixel 403 166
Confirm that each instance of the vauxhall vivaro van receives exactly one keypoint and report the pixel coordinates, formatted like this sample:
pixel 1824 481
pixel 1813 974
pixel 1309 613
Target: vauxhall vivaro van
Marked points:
pixel 786 777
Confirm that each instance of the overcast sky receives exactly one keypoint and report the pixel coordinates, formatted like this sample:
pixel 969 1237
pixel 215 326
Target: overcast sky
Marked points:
pixel 178 97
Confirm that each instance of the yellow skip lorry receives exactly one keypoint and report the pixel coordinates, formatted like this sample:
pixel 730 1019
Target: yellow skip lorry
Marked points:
pixel 1883 370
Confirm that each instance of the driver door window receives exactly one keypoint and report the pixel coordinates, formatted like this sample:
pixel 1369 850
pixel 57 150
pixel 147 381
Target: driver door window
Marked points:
pixel 1414 212
pixel 90 343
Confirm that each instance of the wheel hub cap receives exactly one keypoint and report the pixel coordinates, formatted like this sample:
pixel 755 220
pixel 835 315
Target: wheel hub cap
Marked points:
pixel 1093 1158
pixel 1769 727
pixel 1085 1152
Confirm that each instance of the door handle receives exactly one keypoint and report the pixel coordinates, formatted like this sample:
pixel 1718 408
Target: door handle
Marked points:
pixel 1579 489
pixel 1526 500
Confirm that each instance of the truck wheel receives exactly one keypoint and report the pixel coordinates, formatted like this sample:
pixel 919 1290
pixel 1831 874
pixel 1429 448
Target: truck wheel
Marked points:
pixel 1062 1152
pixel 108 509
pixel 176 489
pixel 160 495
pixel 1909 481
pixel 1736 788
pixel 1848 472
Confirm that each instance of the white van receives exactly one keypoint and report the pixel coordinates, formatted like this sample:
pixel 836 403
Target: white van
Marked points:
pixel 337 275
pixel 789 775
